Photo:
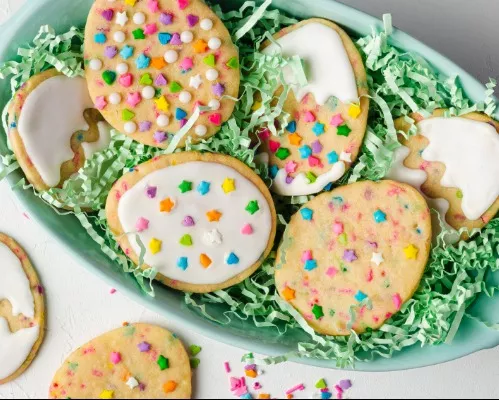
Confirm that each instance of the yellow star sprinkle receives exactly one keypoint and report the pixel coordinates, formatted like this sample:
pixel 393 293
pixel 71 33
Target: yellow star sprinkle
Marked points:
pixel 411 252
pixel 295 139
pixel 288 294
pixel 256 106
pixel 354 111
pixel 131 2
pixel 107 394
pixel 162 104
pixel 228 185
pixel 155 245
pixel 166 205
pixel 213 215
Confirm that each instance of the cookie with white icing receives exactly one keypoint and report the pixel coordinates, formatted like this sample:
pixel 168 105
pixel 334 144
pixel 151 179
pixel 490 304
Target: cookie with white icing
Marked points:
pixel 150 63
pixel 351 258
pixel 454 162
pixel 138 361
pixel 328 115
pixel 53 128
pixel 207 220
pixel 22 311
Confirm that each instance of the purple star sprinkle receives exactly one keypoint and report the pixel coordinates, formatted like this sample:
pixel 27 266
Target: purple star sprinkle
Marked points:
pixel 143 347
pixel 108 15
pixel 289 179
pixel 145 126
pixel 188 221
pixel 349 255
pixel 345 384
pixel 166 19
pixel 218 89
pixel 192 20
pixel 316 147
pixel 160 136
pixel 176 40
pixel 110 51
pixel 151 191
pixel 160 80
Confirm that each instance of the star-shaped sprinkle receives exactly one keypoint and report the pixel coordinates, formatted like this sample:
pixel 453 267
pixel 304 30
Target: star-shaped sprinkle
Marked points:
pixel 360 296
pixel 295 139
pixel 282 153
pixel 252 207
pixel 290 167
pixel 121 18
pixel 133 99
pixel 347 157
pixel 316 147
pixel 349 255
pixel 144 347
pixel 288 293
pixel 213 216
pixel 228 185
pixel 142 224
pixel 332 157
pixel 166 205
pixel 318 129
pixel 155 245
pixel 317 311
pixel 305 151
pixel 377 258
pixel 343 130
pixel 203 188
pixel 163 363
pixel 379 216
pixel 185 186
pixel 182 263
pixel 354 111
pixel 336 120
pixel 307 214
pixel 100 102
pixel 411 252
pixel 186 240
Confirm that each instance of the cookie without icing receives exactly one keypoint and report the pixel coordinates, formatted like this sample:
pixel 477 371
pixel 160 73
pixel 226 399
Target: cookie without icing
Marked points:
pixel 207 220
pixel 138 361
pixel 150 63
pixel 360 244
pixel 53 128
pixel 22 311
pixel 328 116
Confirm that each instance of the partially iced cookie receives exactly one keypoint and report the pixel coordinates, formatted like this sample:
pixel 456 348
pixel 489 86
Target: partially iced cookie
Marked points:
pixel 351 258
pixel 150 63
pixel 328 115
pixel 54 128
pixel 207 220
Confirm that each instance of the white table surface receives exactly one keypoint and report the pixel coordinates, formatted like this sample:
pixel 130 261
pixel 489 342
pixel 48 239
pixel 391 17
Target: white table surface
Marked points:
pixel 81 307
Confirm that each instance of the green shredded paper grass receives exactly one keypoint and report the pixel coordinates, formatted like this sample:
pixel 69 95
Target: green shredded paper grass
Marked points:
pixel 400 83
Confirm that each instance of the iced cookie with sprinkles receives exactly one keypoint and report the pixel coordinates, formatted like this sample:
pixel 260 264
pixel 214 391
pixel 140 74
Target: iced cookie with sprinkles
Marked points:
pixel 454 162
pixel 54 127
pixel 151 63
pixel 351 258
pixel 138 361
pixel 22 311
pixel 328 114
pixel 207 220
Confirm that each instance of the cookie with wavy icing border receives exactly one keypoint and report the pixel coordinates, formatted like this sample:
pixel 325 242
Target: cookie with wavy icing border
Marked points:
pixel 207 220
pixel 53 128
pixel 22 311
pixel 138 361
pixel 328 115
pixel 351 258
pixel 458 173
pixel 149 64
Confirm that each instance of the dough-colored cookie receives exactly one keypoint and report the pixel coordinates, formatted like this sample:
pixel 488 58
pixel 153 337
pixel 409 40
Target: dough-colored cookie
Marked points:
pixel 53 128
pixel 138 361
pixel 455 163
pixel 328 116
pixel 22 311
pixel 207 220
pixel 361 245
pixel 150 63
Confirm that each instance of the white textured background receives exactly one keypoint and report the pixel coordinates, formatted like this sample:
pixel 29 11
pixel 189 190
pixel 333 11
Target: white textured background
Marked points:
pixel 80 306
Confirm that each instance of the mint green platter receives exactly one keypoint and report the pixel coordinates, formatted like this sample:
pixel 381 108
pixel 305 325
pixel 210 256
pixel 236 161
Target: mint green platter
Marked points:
pixel 61 14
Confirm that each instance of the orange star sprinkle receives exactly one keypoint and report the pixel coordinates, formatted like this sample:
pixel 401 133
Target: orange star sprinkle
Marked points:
pixel 205 260
pixel 158 63
pixel 200 46
pixel 166 205
pixel 295 139
pixel 213 215
pixel 288 294
pixel 169 386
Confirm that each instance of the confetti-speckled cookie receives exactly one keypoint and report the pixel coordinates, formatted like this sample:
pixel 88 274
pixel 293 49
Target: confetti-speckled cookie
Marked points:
pixel 207 220
pixel 22 311
pixel 362 245
pixel 455 163
pixel 150 63
pixel 328 115
pixel 138 361
pixel 53 128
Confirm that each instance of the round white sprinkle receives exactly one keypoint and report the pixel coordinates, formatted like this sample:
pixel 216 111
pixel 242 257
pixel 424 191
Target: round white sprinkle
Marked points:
pixel 185 97
pixel 119 36
pixel 139 18
pixel 130 127
pixel 122 68
pixel 201 130
pixel 171 56
pixel 186 37
pixel 114 98
pixel 95 64
pixel 163 120
pixel 214 104
pixel 212 74
pixel 148 92
pixel 206 24
pixel 214 43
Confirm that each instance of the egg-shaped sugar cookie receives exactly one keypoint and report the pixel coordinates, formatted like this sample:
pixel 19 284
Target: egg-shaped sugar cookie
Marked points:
pixel 138 361
pixel 151 63
pixel 207 220
pixel 351 258
pixel 22 311
pixel 54 128
pixel 454 162
pixel 328 114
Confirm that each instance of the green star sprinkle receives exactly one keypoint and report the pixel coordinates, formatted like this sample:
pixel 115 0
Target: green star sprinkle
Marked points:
pixel 163 363
pixel 343 130
pixel 252 207
pixel 317 311
pixel 138 34
pixel 282 153
pixel 185 186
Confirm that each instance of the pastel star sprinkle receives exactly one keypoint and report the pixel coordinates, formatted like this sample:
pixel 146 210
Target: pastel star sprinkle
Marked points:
pixel 332 157
pixel 295 139
pixel 317 311
pixel 360 296
pixel 305 151
pixel 182 263
pixel 307 214
pixel 349 255
pixel 336 120
pixel 318 129
pixel 126 52
pixel 166 205
pixel 163 363
pixel 142 61
pixel 347 157
pixel 169 386
pixel 144 347
pixel 343 130
pixel 204 260
pixel 232 259
pixel 377 258
pixel 288 293
pixel 142 224
pixel 213 216
pixel 133 99
pixel 186 240
pixel 155 245
pixel 203 188
pixel 290 167
pixel 411 252
pixel 121 18
pixel 252 207
pixel 282 153
pixel 228 185
pixel 354 111
pixel 185 186
pixel 379 216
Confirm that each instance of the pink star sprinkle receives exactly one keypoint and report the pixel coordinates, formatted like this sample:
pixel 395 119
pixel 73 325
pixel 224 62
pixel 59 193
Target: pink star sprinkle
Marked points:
pixel 331 272
pixel 290 167
pixel 151 29
pixel 337 120
pixel 100 102
pixel 133 99
pixel 142 224
pixel 186 63
pixel 153 5
pixel 309 117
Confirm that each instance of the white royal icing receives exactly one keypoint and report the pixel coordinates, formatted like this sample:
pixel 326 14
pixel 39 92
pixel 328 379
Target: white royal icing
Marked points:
pixel 15 347
pixel 14 284
pixel 102 143
pixel 168 227
pixel 51 114
pixel 470 152
pixel 327 65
